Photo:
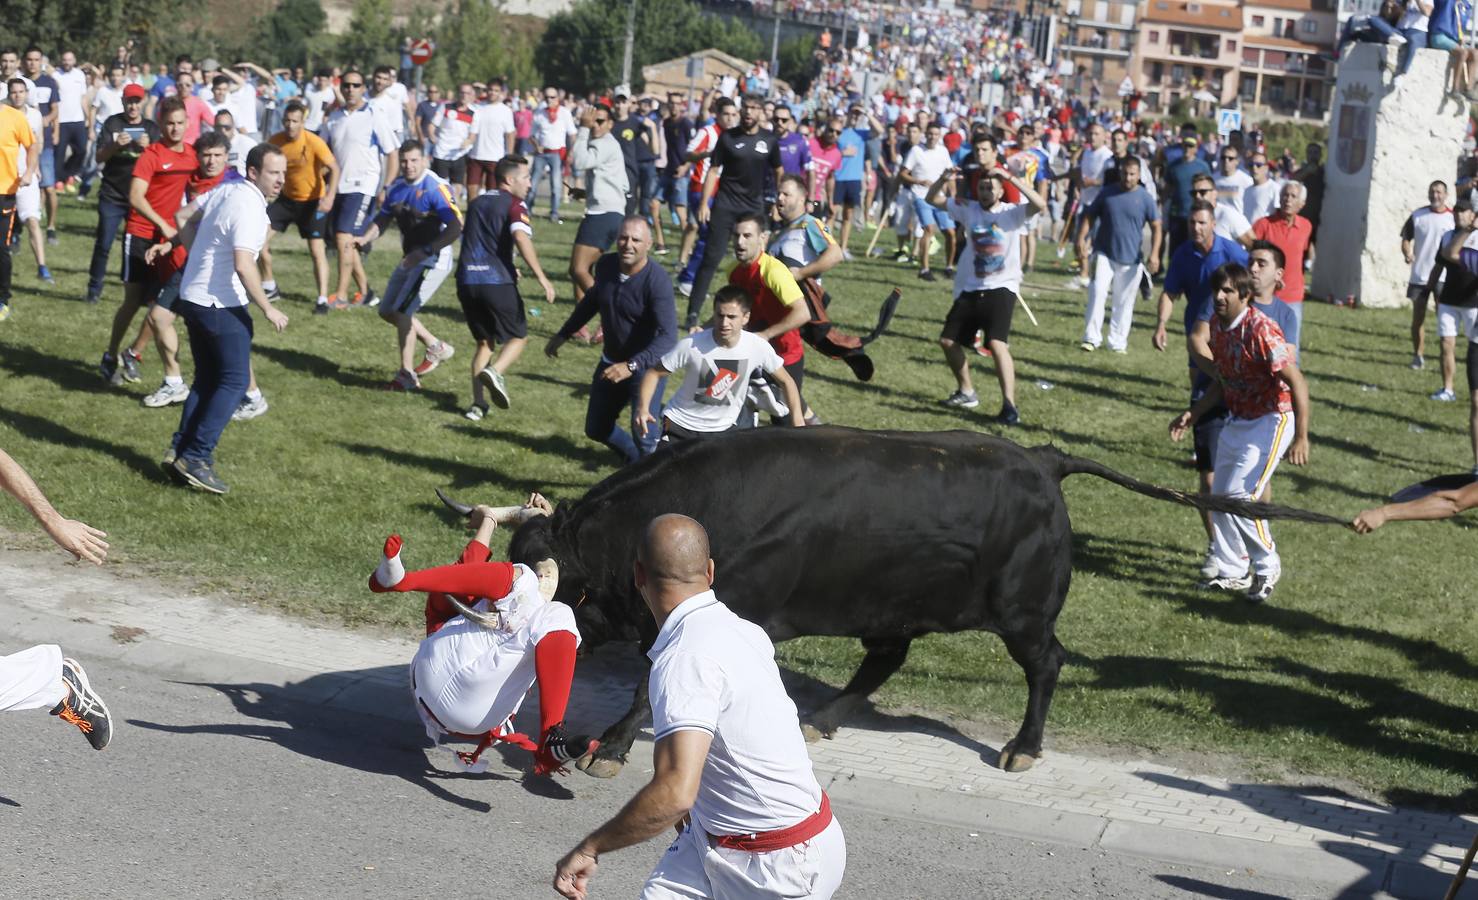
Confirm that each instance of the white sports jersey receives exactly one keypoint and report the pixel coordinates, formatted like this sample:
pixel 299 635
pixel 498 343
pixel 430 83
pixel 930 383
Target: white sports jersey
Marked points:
pixel 492 124
pixel 360 140
pixel 318 104
pixel 390 103
pixel 71 89
pixel 1425 228
pixel 453 127
pixel 1231 188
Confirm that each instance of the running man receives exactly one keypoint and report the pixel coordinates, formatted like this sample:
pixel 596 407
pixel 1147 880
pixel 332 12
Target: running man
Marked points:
pixel 1268 400
pixel 307 197
pixel 364 143
pixel 1420 236
pixel 420 203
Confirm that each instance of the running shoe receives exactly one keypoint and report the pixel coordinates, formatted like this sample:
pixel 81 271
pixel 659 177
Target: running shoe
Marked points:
pixel 1209 568
pixel 128 364
pixel 273 295
pixel 166 395
pixel 199 475
pixel 370 300
pixel 337 302
pixel 110 370
pixel 1262 586
pixel 44 274
pixel 685 288
pixel 963 400
pixel 1226 583
pixel 1444 396
pixel 249 408
pixel 1087 346
pixel 83 707
pixel 320 309
pixel 492 380
pixel 51 237
pixel 1418 363
pixel 404 380
pixel 981 345
pixel 1008 415
pixel 436 354
pixel 475 413
pixel 926 275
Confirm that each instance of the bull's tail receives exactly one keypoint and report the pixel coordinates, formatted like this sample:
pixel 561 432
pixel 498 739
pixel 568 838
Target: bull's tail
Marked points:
pixel 885 317
pixel 1065 464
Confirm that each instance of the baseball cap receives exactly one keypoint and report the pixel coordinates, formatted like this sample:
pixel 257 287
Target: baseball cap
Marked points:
pixel 1189 139
pixel 134 92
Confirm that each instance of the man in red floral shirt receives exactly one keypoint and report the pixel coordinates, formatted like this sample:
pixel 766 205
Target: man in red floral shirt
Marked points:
pixel 1269 403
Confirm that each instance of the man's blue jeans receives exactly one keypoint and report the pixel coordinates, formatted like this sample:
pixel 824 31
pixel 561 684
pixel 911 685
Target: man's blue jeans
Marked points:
pixel 110 219
pixel 220 341
pixel 551 163
pixel 607 401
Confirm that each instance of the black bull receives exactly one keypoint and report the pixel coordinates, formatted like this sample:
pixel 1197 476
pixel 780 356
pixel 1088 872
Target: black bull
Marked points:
pixel 882 536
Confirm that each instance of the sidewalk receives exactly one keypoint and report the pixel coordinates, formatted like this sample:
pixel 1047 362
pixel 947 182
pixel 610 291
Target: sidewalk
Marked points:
pixel 896 765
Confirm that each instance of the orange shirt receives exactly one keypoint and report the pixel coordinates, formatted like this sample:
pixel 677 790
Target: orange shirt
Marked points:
pixel 306 159
pixel 15 132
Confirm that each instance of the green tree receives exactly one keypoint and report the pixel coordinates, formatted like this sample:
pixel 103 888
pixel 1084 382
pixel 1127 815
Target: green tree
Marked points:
pixel 477 44
pixel 581 49
pixel 798 63
pixel 373 39
pixel 285 36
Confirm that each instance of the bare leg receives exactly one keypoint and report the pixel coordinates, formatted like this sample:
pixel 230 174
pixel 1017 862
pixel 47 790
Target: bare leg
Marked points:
pixel 264 260
pixel 582 261
pixel 405 339
pixel 319 252
pixel 38 242
pixel 356 263
pixel 509 355
pixel 166 339
pixel 959 364
pixel 1418 322
pixel 49 193
pixel 654 209
pixel 480 357
pixel 847 214
pixel 1449 361
pixel 924 245
pixel 1005 370
pixel 348 256
pixel 133 300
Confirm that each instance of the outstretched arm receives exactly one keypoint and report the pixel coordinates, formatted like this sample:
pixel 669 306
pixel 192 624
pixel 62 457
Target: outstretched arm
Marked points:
pixel 1438 505
pixel 77 538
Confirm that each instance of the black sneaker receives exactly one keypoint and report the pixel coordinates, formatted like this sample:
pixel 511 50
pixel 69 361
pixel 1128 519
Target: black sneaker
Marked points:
pixel 1261 588
pixel 371 299
pixel 51 237
pixel 128 365
pixel 93 297
pixel 320 309
pixel 273 295
pixel 564 748
pixel 926 274
pixel 200 475
pixel 1008 415
pixel 83 707
pixel 108 368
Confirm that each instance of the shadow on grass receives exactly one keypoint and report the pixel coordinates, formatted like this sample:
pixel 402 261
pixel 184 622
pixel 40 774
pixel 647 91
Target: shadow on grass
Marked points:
pixel 457 474
pixel 68 374
pixel 1357 711
pixel 46 430
pixel 317 366
pixel 579 390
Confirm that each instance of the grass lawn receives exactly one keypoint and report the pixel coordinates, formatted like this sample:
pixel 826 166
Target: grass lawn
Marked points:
pixel 1364 667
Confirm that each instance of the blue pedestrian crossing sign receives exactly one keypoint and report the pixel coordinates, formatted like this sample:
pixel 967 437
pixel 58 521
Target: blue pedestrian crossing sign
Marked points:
pixel 1228 121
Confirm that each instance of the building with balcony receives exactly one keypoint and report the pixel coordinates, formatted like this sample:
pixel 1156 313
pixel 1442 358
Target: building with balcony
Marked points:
pixel 1097 42
pixel 1282 70
pixel 1188 50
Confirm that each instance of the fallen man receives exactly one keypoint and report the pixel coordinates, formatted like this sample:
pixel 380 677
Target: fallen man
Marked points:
pixel 491 632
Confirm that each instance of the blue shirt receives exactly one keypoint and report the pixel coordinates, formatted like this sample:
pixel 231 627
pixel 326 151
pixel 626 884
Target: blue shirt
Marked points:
pixel 487 238
pixel 852 166
pixel 1189 274
pixel 164 86
pixel 638 315
pixel 1178 178
pixel 424 210
pixel 1121 217
pixel 1287 320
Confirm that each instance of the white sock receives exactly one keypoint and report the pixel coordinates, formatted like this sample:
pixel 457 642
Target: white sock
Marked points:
pixel 269 286
pixel 253 396
pixel 390 571
pixel 174 380
pixel 322 299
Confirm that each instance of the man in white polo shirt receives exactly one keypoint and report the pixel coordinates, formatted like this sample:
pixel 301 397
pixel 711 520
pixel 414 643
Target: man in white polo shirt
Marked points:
pixel 729 764
pixel 224 236
pixel 493 136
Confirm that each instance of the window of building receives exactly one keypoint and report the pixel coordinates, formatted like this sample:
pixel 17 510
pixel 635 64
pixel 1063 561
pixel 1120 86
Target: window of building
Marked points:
pixel 1157 72
pixel 1193 8
pixel 1311 27
pixel 1250 56
pixel 1257 21
pixel 1154 37
pixel 1177 74
pixel 1231 46
pixel 1098 67
pixel 1101 11
pixel 1249 87
pixel 1277 25
pixel 1126 14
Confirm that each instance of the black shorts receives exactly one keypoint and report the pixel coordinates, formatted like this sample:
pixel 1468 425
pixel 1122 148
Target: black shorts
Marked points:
pixel 673 433
pixel 494 312
pixel 989 311
pixel 600 230
pixel 311 223
pixel 453 170
pixel 135 269
pixel 1204 437
pixel 1473 366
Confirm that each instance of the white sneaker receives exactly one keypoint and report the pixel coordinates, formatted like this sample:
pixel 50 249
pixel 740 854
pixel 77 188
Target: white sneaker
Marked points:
pixel 762 397
pixel 250 409
pixel 685 288
pixel 1209 568
pixel 167 394
pixel 492 380
pixel 1443 396
pixel 436 354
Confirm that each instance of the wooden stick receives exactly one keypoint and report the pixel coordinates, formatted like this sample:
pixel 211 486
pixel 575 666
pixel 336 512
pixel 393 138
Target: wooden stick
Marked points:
pixel 1022 300
pixel 875 235
pixel 1462 872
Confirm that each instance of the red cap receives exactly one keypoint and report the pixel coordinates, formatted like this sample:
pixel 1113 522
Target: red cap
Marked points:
pixel 134 92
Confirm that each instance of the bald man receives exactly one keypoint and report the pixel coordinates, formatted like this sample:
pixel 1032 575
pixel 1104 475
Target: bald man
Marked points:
pixel 730 768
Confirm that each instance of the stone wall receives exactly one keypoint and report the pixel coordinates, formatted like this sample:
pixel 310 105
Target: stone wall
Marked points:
pixel 1386 144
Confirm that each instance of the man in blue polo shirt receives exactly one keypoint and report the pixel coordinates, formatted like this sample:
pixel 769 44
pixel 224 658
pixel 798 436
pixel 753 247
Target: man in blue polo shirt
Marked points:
pixel 1189 275
pixel 847 194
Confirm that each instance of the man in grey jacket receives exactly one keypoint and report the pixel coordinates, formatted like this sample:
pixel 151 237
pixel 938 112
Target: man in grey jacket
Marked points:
pixel 597 153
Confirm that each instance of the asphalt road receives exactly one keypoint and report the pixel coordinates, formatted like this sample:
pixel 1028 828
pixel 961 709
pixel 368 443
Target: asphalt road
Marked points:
pixel 225 791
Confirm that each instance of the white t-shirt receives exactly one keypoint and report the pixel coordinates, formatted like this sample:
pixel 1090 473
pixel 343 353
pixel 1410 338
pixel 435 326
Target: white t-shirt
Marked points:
pixel 71 88
pixel 1092 165
pixel 1413 18
pixel 236 154
pixel 107 101
pixel 552 135
pixel 1230 223
pixel 716 378
pixel 453 127
pixel 492 124
pixel 1230 188
pixel 33 116
pixel 715 672
pixel 1425 229
pixel 318 104
pixel 227 105
pixel 233 218
pixel 926 165
pixel 390 103
pixel 243 103
pixel 993 252
pixel 1261 200
pixel 360 140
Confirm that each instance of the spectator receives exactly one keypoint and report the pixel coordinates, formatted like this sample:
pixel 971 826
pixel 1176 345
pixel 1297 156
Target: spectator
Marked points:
pixel 493 138
pixel 639 317
pixel 123 139
pixel 1311 176
pixel 921 168
pixel 420 203
pixel 219 280
pixel 15 134
pixel 1092 165
pixel 198 115
pixel 1292 234
pixel 71 130
pixel 452 136
pixel 364 145
pixel 318 98
pixel 1458 294
pixel 1420 237
pixel 426 112
pixel 1230 224
pixel 238 146
pixel 699 156
pixel 847 192
pixel 43 92
pixel 392 102
pixel 1260 198
pixel 1413 27
pixel 1232 181
pixel 598 154
pixel 487 282
pixel 553 134
pixel 1265 265
pixel 28 196
pixel 826 158
pixel 1122 211
pixel 307 198
pixel 677 132
pixel 1180 174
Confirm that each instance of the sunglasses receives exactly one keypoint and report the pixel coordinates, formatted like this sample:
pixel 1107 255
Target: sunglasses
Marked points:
pixel 1259 165
pixel 1232 158
pixel 353 84
pixel 1200 191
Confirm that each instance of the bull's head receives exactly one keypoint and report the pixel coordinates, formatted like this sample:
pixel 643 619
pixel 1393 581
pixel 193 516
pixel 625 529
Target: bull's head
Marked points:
pixel 545 567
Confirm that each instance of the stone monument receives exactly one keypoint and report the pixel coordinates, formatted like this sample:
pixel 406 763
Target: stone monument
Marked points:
pixel 1386 144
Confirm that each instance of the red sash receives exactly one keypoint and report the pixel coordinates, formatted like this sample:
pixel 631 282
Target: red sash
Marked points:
pixel 768 841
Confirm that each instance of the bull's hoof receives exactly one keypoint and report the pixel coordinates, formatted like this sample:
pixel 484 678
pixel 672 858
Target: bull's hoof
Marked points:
pixel 1013 760
pixel 596 767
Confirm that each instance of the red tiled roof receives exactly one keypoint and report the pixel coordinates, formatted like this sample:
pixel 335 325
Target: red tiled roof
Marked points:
pixel 1214 16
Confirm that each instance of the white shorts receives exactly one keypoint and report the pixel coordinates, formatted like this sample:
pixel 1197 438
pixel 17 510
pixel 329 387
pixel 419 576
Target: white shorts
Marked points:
pixel 1452 321
pixel 28 202
pixel 32 679
pixel 693 868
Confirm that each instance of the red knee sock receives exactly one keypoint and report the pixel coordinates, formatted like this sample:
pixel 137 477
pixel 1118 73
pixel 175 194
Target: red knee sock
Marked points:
pixel 469 579
pixel 554 664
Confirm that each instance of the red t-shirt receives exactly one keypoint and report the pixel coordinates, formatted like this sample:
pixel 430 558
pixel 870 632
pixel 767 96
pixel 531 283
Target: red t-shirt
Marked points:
pixel 774 291
pixel 1249 354
pixel 1293 239
pixel 199 186
pixel 168 172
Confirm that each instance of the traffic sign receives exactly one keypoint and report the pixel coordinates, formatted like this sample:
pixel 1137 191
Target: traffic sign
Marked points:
pixel 421 51
pixel 1228 121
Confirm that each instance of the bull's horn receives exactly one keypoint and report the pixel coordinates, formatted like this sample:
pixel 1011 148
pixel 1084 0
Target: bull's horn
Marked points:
pixel 548 572
pixel 486 621
pixel 461 509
